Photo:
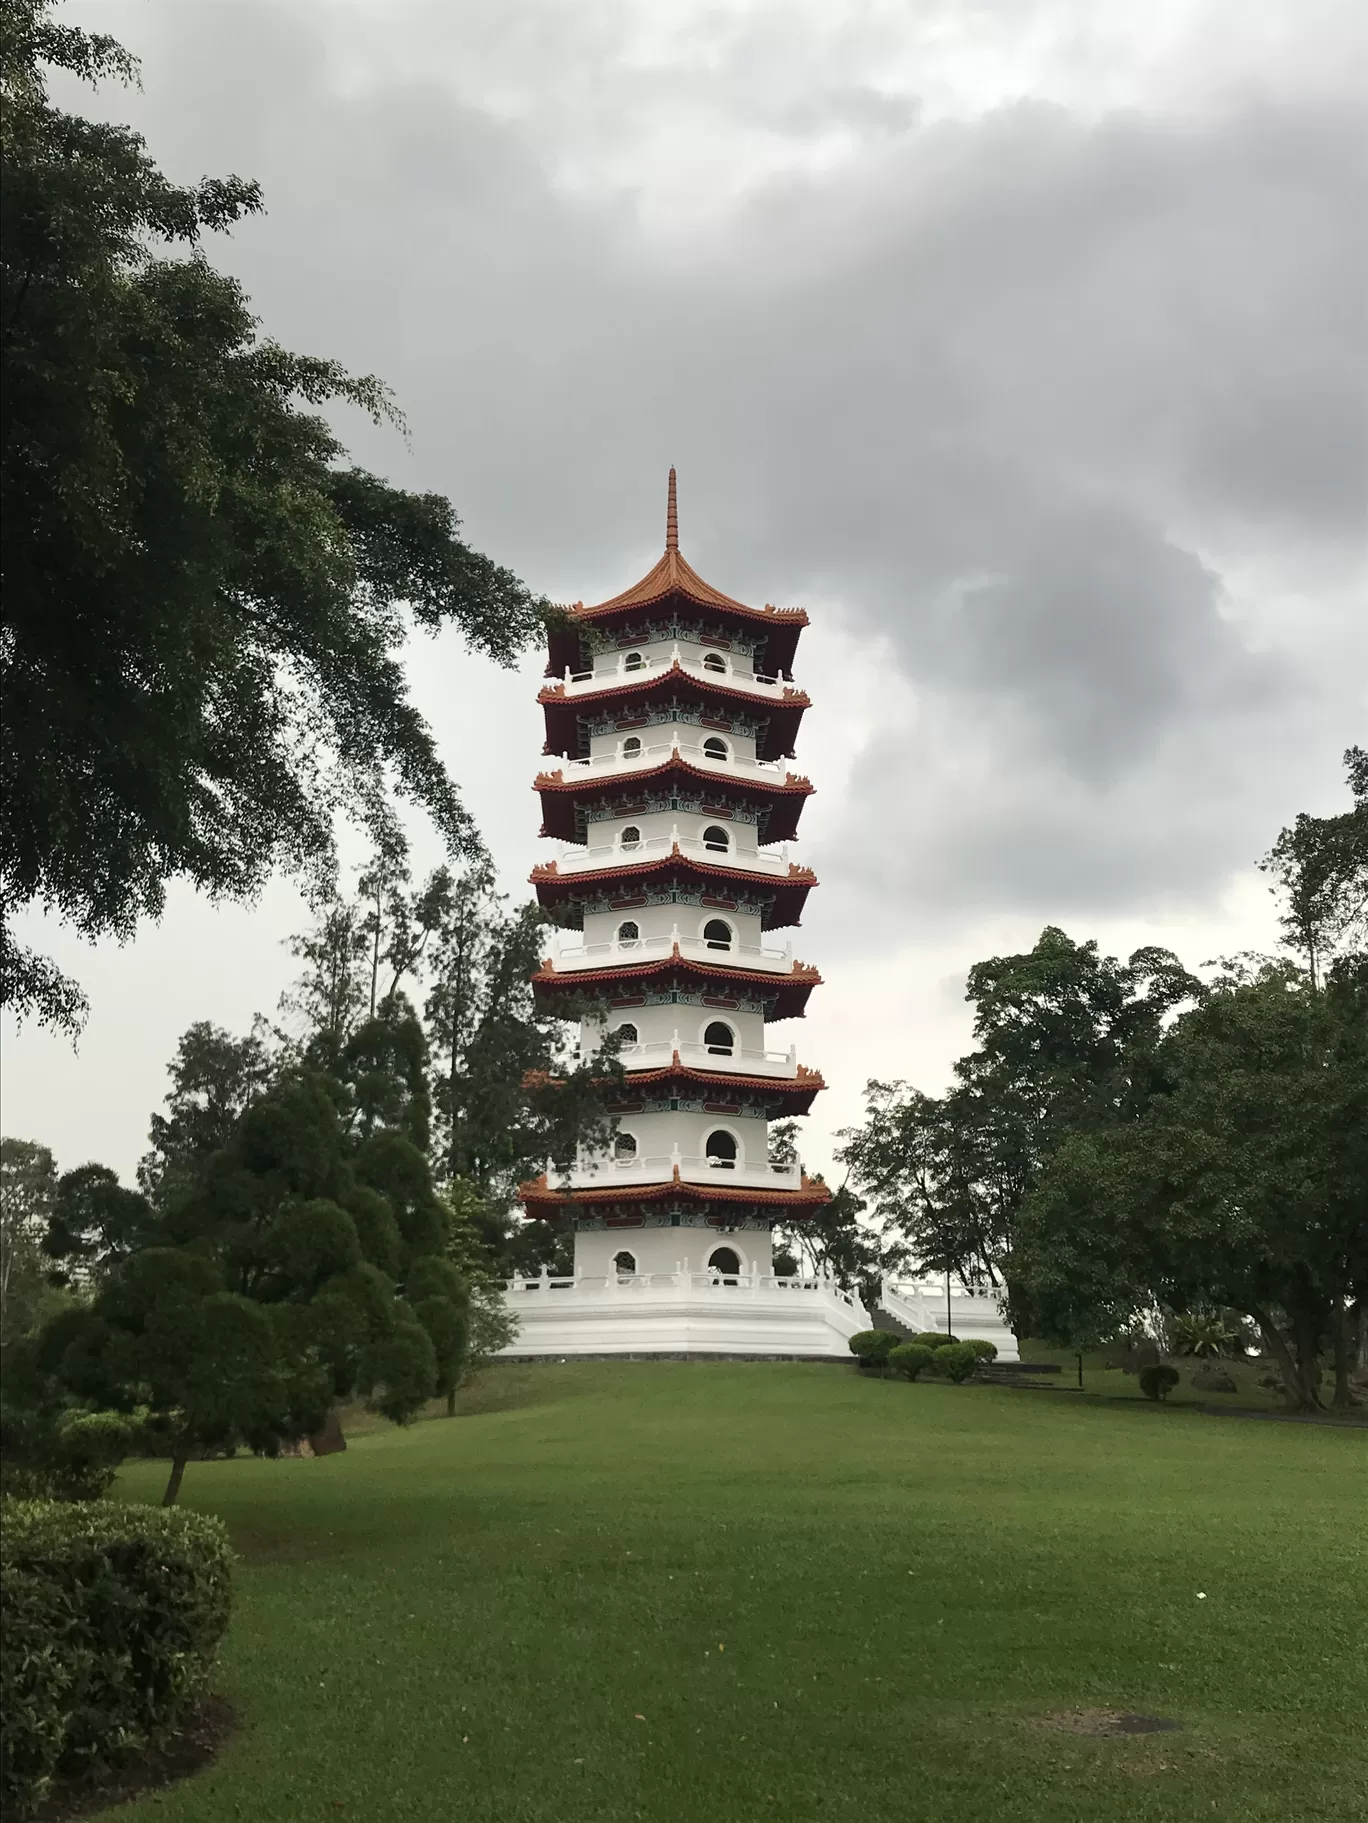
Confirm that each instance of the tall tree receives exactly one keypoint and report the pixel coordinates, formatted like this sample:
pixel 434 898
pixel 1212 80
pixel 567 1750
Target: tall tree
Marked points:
pixel 1068 1041
pixel 28 1186
pixel 1320 868
pixel 214 1078
pixel 240 1312
pixel 203 602
pixel 1244 1185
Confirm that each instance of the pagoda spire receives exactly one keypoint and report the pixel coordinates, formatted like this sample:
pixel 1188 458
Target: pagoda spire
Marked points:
pixel 671 517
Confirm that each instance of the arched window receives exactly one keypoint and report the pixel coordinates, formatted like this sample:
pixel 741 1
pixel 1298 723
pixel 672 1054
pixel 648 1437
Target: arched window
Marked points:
pixel 724 1262
pixel 631 747
pixel 631 836
pixel 715 837
pixel 634 661
pixel 624 1145
pixel 624 1264
pixel 715 749
pixel 717 934
pixel 627 1034
pixel 719 1039
pixel 714 661
pixel 721 1150
pixel 629 932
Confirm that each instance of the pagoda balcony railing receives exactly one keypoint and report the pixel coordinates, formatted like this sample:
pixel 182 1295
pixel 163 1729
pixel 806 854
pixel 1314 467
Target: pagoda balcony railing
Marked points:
pixel 590 1285
pixel 738 1061
pixel 611 765
pixel 650 949
pixel 615 670
pixel 593 856
pixel 659 1168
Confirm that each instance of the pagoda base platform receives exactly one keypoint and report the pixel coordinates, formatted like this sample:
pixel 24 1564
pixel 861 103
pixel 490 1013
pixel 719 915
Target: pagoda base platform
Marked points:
pixel 681 1315
pixel 921 1309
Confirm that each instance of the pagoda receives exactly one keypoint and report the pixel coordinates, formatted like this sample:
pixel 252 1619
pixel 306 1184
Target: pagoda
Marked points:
pixel 671 715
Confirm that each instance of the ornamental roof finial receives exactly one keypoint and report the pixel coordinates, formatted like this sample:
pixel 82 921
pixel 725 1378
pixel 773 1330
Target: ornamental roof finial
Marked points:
pixel 671 518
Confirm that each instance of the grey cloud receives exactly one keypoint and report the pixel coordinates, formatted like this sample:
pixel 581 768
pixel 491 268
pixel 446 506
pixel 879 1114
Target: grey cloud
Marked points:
pixel 998 387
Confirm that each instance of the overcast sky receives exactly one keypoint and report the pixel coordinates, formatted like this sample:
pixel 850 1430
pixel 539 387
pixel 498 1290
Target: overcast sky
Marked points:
pixel 1021 342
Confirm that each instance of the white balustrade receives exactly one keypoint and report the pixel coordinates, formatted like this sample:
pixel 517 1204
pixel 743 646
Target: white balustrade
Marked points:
pixel 654 848
pixel 649 949
pixel 739 1060
pixel 659 1168
pixel 658 753
pixel 610 670
pixel 761 1284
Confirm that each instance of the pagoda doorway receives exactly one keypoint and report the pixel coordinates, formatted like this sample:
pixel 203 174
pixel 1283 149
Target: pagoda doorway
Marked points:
pixel 725 1263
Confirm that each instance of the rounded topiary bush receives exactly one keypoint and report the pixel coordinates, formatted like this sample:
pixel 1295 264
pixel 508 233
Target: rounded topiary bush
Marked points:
pixel 110 1617
pixel 1159 1380
pixel 984 1350
pixel 910 1359
pixel 872 1347
pixel 935 1338
pixel 956 1362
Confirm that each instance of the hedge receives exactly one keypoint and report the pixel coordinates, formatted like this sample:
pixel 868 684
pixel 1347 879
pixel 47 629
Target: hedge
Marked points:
pixel 110 1616
pixel 872 1347
pixel 955 1363
pixel 910 1359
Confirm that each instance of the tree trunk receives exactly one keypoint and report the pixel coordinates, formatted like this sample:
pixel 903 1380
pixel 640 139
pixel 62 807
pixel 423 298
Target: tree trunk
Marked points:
pixel 1274 1340
pixel 1339 1329
pixel 178 1462
pixel 451 1402
pixel 1309 1335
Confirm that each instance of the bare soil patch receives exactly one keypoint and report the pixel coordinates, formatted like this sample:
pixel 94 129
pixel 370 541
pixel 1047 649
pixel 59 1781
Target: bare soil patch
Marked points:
pixel 189 1751
pixel 1106 1723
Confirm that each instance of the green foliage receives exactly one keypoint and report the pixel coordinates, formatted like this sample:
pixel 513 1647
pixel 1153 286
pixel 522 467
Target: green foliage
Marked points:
pixel 214 1078
pixel 1242 1188
pixel 309 1243
pixel 1206 1334
pixel 910 1359
pixel 956 1361
pixel 981 1348
pixel 935 1338
pixel 872 1347
pixel 1065 1041
pixel 1320 865
pixel 376 1229
pixel 1158 1380
pixel 203 602
pixel 95 1222
pixel 51 1452
pixel 28 1185
pixel 400 1370
pixel 110 1618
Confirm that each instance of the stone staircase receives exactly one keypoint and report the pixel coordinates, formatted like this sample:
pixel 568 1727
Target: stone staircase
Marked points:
pixel 883 1319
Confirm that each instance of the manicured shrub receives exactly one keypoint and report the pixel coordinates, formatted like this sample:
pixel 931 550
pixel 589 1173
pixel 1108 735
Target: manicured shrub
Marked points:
pixel 872 1347
pixel 984 1350
pixel 110 1617
pixel 956 1362
pixel 935 1338
pixel 910 1359
pixel 51 1453
pixel 1159 1380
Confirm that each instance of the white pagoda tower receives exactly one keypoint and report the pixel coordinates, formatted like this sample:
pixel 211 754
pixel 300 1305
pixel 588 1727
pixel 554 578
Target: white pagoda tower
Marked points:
pixel 673 710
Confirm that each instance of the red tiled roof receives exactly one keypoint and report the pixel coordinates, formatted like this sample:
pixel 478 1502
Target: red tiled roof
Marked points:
pixel 549 870
pixel 811 1195
pixel 802 973
pixel 782 803
pixel 788 993
pixel 789 891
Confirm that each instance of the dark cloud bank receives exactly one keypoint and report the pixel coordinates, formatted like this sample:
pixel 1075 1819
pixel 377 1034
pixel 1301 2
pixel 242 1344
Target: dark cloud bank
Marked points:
pixel 1071 417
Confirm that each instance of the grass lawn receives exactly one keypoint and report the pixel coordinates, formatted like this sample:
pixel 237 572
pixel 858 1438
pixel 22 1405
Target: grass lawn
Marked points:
pixel 1099 1380
pixel 722 1593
